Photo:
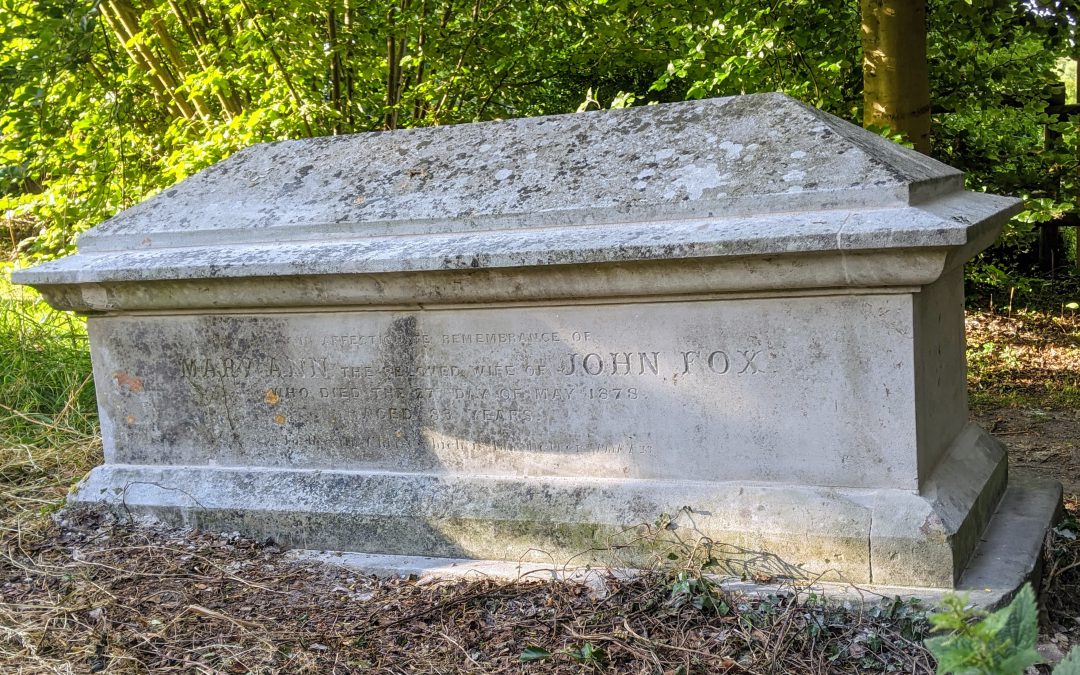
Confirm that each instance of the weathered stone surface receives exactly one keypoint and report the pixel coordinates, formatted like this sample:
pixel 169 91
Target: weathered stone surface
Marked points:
pixel 883 536
pixel 737 390
pixel 703 159
pixel 514 340
pixel 1008 556
pixel 710 183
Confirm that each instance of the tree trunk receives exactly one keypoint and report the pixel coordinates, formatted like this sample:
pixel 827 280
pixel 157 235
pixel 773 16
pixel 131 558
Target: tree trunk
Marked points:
pixel 896 85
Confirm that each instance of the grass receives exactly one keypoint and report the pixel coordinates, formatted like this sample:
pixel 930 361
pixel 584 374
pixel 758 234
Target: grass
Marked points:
pixel 48 415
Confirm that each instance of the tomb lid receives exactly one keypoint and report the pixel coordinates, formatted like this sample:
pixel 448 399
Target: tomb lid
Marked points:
pixel 749 175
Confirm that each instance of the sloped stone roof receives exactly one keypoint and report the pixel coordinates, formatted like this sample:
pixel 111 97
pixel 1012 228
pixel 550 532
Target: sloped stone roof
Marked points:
pixel 742 177
pixel 756 154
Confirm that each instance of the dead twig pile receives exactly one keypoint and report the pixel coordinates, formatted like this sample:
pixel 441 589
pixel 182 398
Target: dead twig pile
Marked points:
pixel 97 594
pixel 1061 582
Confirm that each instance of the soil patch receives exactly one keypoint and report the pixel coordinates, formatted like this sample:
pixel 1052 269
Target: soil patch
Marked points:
pixel 1044 443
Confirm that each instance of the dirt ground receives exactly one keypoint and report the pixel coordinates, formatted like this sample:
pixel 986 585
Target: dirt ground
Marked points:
pixel 1043 443
pixel 93 593
pixel 1024 380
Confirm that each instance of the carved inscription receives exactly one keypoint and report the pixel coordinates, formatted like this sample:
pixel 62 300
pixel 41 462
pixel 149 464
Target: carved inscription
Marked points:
pixel 367 376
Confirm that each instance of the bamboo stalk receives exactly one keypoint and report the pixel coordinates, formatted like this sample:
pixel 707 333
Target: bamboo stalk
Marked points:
pixel 124 16
pixel 421 41
pixel 177 61
pixel 347 22
pixel 229 102
pixel 160 90
pixel 473 33
pixel 197 40
pixel 390 117
pixel 335 65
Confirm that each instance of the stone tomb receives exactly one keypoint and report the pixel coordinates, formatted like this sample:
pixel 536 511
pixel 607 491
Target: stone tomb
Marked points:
pixel 511 340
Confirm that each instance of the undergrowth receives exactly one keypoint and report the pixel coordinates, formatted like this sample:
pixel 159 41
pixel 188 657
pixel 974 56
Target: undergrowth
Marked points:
pixel 99 593
pixel 48 415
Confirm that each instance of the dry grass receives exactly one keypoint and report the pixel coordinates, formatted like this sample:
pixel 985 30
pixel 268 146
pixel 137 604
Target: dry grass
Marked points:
pixel 48 416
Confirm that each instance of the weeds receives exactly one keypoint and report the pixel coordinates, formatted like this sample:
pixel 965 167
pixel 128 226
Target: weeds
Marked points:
pixel 1002 643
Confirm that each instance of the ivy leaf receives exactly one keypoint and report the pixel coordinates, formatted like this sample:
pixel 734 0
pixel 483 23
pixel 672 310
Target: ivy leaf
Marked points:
pixel 587 653
pixel 534 653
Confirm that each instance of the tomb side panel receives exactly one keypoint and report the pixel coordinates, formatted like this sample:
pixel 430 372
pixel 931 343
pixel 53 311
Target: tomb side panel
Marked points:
pixel 813 390
pixel 940 368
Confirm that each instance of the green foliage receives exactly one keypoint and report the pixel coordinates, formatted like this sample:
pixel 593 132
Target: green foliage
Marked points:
pixel 1001 643
pixel 809 49
pixel 698 590
pixel 92 126
pixel 1067 71
pixel 1070 665
pixel 533 653
pixel 48 415
pixel 586 654
pixel 992 66
pixel 908 616
pixel 1003 70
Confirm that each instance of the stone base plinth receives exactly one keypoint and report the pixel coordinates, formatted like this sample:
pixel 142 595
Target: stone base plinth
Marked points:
pixel 1009 555
pixel 862 536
